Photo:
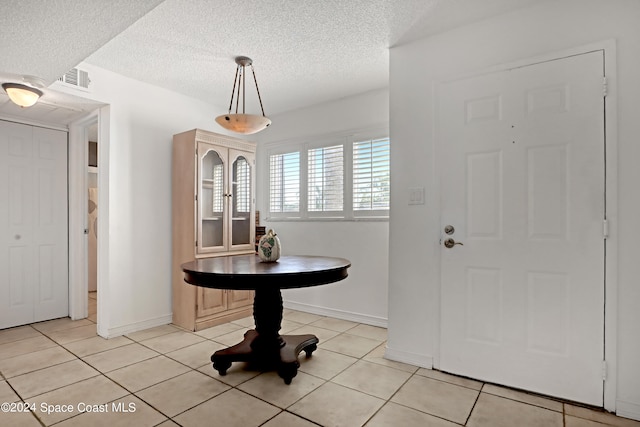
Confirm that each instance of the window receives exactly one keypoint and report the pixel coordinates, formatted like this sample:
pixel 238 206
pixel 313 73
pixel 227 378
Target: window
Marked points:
pixel 336 177
pixel 325 182
pixel 284 182
pixel 371 175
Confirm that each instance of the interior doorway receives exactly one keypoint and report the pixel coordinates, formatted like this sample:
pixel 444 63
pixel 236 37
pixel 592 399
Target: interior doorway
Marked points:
pixel 92 221
pixel 92 127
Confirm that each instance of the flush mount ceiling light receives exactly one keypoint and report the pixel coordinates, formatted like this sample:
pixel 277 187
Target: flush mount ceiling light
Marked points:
pixel 22 95
pixel 246 124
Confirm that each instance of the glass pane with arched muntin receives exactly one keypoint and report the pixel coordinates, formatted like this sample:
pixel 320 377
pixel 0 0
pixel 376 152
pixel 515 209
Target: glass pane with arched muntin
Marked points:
pixel 212 199
pixel 241 190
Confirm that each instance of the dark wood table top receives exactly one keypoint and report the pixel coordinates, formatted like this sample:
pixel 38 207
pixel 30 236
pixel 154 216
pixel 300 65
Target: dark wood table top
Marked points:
pixel 247 272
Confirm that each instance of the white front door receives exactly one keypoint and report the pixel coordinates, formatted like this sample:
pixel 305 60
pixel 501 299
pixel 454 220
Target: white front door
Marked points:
pixel 34 270
pixel 521 154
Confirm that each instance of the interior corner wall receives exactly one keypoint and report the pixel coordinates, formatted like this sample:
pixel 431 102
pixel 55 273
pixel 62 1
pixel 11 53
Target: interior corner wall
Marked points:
pixel 136 187
pixel 362 296
pixel 541 29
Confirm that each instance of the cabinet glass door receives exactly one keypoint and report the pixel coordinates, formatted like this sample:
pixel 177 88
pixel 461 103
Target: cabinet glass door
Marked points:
pixel 212 199
pixel 241 202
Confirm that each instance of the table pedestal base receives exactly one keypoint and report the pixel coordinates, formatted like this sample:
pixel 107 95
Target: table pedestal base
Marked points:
pixel 264 347
pixel 279 354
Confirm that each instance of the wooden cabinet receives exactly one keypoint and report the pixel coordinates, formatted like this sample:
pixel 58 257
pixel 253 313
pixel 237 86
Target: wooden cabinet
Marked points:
pixel 214 301
pixel 213 198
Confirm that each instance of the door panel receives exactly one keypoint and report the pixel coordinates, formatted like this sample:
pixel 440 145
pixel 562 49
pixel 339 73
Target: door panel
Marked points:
pixel 211 301
pixel 34 282
pixel 51 224
pixel 522 182
pixel 239 299
pixel 212 200
pixel 242 189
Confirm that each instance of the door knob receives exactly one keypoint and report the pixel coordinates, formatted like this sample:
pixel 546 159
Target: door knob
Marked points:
pixel 449 243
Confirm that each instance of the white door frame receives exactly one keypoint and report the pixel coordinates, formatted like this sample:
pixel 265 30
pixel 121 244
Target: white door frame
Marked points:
pixel 78 218
pixel 611 202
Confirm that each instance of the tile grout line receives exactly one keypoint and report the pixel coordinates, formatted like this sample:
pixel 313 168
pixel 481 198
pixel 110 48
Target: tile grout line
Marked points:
pixel 526 403
pixel 414 374
pixel 23 401
pixel 236 387
pixel 474 404
pixel 389 399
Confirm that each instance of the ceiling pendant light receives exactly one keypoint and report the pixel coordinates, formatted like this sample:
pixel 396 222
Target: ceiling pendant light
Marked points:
pixel 22 95
pixel 246 124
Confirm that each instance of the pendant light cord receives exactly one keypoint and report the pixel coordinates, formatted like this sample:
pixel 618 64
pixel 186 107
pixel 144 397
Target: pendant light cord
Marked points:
pixel 240 70
pixel 236 82
pixel 234 88
pixel 257 90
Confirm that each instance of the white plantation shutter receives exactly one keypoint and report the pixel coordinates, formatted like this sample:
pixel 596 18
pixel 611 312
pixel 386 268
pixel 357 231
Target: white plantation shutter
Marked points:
pixel 371 175
pixel 325 184
pixel 333 176
pixel 284 182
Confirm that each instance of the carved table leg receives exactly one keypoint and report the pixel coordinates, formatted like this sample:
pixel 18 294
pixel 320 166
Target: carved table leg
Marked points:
pixel 294 344
pixel 264 346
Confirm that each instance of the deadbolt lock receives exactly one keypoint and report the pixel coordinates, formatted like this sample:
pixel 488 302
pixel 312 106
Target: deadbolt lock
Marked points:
pixel 449 229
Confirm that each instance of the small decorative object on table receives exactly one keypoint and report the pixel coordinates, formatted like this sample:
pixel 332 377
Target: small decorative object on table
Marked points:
pixel 269 247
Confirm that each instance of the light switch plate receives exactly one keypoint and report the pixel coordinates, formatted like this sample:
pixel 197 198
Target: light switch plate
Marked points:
pixel 416 195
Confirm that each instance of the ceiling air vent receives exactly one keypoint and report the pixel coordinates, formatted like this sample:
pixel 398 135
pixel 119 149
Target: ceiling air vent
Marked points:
pixel 76 78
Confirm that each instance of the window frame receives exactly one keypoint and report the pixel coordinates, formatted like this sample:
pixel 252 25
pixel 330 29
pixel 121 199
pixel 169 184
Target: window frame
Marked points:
pixel 283 214
pixel 315 145
pixel 374 213
pixel 302 146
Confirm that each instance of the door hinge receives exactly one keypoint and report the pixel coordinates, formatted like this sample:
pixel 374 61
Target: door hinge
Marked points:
pixel 604 370
pixel 605 229
pixel 605 86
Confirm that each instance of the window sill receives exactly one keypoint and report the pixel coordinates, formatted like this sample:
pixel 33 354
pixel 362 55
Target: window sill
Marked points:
pixel 328 219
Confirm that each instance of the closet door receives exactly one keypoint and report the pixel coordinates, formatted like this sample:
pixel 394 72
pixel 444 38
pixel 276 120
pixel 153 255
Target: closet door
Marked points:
pixel 34 281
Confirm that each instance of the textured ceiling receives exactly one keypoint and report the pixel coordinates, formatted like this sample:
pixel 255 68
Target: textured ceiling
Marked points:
pixel 46 38
pixel 305 52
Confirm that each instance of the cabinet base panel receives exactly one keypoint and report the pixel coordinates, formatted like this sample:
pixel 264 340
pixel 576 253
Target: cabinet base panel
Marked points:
pixel 227 317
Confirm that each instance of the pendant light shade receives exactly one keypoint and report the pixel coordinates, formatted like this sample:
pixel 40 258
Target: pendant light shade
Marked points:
pixel 243 123
pixel 22 95
pixel 246 124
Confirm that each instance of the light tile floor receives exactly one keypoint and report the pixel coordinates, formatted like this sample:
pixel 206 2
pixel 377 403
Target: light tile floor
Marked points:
pixel 68 376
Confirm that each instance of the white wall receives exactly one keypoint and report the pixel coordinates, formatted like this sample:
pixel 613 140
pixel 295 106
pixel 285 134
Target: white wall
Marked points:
pixel 543 28
pixel 363 295
pixel 135 274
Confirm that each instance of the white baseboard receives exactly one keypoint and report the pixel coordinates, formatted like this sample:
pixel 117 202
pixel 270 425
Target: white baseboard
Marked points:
pixel 139 326
pixel 414 359
pixel 628 410
pixel 339 314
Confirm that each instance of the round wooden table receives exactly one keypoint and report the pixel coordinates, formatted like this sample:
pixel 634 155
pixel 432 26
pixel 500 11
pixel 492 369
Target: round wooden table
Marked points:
pixel 263 346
